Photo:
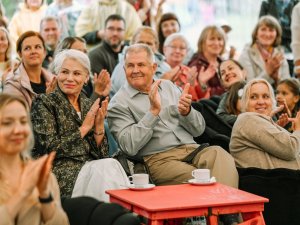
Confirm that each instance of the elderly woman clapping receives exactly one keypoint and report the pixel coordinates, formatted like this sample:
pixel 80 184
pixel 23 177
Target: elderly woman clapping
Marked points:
pixel 67 122
pixel 256 140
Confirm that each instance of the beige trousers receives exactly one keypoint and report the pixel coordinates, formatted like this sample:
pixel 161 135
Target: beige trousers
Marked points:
pixel 167 167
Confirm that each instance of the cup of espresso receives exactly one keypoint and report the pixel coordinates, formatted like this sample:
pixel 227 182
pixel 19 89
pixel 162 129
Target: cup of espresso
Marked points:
pixel 201 175
pixel 139 180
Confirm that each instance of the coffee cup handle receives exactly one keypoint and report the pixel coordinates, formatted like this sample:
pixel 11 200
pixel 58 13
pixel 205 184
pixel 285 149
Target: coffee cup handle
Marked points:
pixel 130 179
pixel 193 174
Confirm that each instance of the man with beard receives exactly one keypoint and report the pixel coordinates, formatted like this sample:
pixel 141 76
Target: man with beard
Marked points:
pixel 50 31
pixel 105 55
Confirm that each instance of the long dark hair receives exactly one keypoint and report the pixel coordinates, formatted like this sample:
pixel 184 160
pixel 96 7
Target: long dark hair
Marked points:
pixel 161 38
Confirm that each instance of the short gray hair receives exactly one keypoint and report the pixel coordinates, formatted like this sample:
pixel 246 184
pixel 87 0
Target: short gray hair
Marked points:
pixel 77 55
pixel 50 18
pixel 246 93
pixel 139 48
pixel 176 36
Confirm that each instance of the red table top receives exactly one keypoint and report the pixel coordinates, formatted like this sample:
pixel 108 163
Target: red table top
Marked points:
pixel 185 196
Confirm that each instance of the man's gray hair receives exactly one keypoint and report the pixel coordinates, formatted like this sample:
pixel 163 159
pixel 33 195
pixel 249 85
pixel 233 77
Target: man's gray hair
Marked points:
pixel 77 55
pixel 50 18
pixel 135 48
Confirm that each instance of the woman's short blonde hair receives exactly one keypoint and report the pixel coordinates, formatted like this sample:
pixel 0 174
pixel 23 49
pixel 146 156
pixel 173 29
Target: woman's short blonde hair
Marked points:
pixel 214 30
pixel 246 93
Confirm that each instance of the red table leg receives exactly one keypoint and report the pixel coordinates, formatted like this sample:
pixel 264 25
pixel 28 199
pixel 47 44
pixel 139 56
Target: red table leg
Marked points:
pixel 213 220
pixel 155 222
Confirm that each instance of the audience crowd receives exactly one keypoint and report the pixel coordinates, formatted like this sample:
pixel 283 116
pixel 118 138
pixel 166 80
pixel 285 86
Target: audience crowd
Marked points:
pixel 82 85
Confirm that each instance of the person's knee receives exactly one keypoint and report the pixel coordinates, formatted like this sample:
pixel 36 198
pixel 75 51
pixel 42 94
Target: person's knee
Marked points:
pixel 104 163
pixel 220 152
pixel 127 219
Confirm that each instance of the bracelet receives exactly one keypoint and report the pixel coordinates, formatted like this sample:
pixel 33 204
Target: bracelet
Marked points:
pixel 46 200
pixel 99 133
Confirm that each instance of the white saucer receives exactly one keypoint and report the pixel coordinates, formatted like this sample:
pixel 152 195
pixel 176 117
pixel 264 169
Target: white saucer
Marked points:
pixel 194 182
pixel 142 188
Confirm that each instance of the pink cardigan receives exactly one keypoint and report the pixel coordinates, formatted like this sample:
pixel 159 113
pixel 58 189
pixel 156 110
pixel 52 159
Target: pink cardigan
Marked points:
pixel 18 83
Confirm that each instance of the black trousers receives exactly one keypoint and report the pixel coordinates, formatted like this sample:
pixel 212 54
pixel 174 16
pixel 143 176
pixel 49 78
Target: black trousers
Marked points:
pixel 89 211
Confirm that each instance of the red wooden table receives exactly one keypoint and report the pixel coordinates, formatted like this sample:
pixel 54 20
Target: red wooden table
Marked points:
pixel 186 200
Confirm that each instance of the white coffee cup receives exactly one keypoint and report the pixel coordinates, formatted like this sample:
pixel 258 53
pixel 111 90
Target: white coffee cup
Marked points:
pixel 201 175
pixel 139 179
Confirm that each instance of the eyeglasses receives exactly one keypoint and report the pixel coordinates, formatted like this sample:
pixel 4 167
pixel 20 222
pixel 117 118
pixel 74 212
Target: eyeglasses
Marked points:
pixel 175 47
pixel 112 29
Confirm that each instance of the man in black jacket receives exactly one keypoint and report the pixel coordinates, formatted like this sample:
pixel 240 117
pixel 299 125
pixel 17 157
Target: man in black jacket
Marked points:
pixel 105 55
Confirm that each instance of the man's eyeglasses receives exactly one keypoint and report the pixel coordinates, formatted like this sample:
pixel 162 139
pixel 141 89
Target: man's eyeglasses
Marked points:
pixel 112 29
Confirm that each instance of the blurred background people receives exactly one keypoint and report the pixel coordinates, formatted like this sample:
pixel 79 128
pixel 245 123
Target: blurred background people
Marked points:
pixel 50 30
pixel 282 11
pixel 168 24
pixel 264 57
pixel 7 61
pixel 288 97
pixel 29 193
pixel 143 9
pixel 175 50
pixel 229 51
pixel 105 55
pixel 91 22
pixel 67 12
pixel 211 45
pixel 77 43
pixel 295 27
pixel 28 17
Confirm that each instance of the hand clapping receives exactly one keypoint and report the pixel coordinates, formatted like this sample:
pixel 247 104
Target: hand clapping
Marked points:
pixel 102 83
pixel 36 173
pixel 94 117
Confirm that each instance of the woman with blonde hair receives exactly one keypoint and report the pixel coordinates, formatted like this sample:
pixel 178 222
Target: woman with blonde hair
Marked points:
pixel 7 62
pixel 211 45
pixel 257 140
pixel 264 57
pixel 29 193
